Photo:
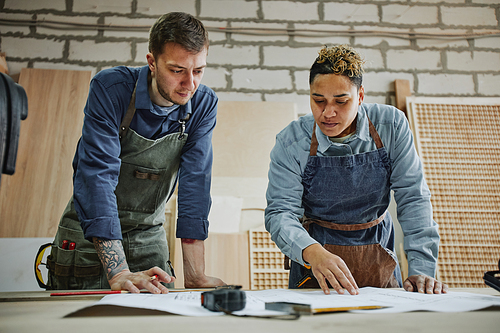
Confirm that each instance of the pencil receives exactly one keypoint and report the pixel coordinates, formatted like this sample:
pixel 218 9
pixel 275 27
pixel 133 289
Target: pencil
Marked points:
pixel 92 292
pixel 348 308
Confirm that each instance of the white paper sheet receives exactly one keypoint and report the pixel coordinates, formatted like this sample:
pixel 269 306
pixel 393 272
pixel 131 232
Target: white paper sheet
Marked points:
pixel 189 303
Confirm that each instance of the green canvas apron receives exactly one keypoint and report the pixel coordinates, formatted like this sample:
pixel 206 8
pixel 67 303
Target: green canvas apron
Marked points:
pixel 147 177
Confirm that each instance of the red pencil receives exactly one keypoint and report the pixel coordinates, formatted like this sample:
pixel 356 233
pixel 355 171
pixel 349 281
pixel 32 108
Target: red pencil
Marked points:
pixel 93 292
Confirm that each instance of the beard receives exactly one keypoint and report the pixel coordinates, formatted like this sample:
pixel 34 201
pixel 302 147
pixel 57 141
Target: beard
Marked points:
pixel 166 95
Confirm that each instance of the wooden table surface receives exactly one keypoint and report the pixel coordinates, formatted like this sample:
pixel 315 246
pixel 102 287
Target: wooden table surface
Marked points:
pixel 37 312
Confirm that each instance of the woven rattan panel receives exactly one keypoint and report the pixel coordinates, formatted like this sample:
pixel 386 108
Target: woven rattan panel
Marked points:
pixel 458 141
pixel 266 262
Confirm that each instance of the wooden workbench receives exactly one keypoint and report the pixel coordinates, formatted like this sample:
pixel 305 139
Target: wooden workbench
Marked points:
pixel 38 312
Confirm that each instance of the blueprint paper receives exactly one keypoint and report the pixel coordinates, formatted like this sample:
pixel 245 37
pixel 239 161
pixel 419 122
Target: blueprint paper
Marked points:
pixel 392 301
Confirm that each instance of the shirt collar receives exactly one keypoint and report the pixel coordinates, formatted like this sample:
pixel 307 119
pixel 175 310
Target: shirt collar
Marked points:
pixel 362 132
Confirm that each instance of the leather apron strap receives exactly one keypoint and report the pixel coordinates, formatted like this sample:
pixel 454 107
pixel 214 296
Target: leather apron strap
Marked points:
pixel 344 227
pixel 313 150
pixel 129 115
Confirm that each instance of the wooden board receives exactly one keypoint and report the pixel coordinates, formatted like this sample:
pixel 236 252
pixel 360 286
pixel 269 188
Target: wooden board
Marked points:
pixel 242 141
pixel 458 142
pixel 226 257
pixel 33 199
pixel 402 91
pixel 245 134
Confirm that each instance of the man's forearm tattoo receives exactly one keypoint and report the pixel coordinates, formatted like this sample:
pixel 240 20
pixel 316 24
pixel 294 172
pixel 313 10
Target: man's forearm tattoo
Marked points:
pixel 112 256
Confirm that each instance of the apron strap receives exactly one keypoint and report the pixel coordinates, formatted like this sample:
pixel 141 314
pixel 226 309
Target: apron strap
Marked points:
pixel 344 227
pixel 313 150
pixel 374 134
pixel 314 142
pixel 129 115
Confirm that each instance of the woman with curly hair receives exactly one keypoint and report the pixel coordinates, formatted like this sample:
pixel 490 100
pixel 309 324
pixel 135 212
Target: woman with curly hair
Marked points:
pixel 330 179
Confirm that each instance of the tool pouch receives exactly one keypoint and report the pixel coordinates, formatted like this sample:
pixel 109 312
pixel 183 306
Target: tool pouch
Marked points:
pixel 79 268
pixel 70 269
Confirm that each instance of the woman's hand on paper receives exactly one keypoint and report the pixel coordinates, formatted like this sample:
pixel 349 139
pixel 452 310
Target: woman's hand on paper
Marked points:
pixel 425 284
pixel 329 267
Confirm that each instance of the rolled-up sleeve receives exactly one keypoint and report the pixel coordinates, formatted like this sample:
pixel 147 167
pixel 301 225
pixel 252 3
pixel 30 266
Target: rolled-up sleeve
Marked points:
pixel 412 195
pixel 284 204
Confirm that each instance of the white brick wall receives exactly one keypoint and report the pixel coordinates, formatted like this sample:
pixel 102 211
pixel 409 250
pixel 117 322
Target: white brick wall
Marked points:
pixel 372 57
pixel 441 43
pixel 350 12
pixel 5 29
pixel 259 38
pixel 290 11
pixel 491 2
pixel 253 65
pixel 215 34
pixel 489 84
pixel 65 31
pixel 324 37
pixel 373 40
pixel 231 9
pixel 34 5
pixel 92 51
pixel 302 80
pixel 33 48
pixel 141 50
pixel 215 77
pixel 16 66
pixel 469 16
pixel 473 61
pixel 442 84
pixel 290 57
pixel 234 56
pixel 156 8
pixel 410 59
pixel 492 42
pixel 381 82
pixel 401 14
pixel 126 21
pixel 99 6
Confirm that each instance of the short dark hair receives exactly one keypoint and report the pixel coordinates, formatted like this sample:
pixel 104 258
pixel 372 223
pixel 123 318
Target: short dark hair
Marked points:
pixel 180 28
pixel 340 60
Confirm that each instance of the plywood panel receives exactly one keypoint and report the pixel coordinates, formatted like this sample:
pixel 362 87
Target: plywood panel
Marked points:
pixel 245 134
pixel 32 200
pixel 242 141
pixel 226 257
pixel 402 91
pixel 458 142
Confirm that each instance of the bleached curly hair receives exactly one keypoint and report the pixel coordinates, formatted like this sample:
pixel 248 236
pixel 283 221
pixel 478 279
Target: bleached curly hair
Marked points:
pixel 340 60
